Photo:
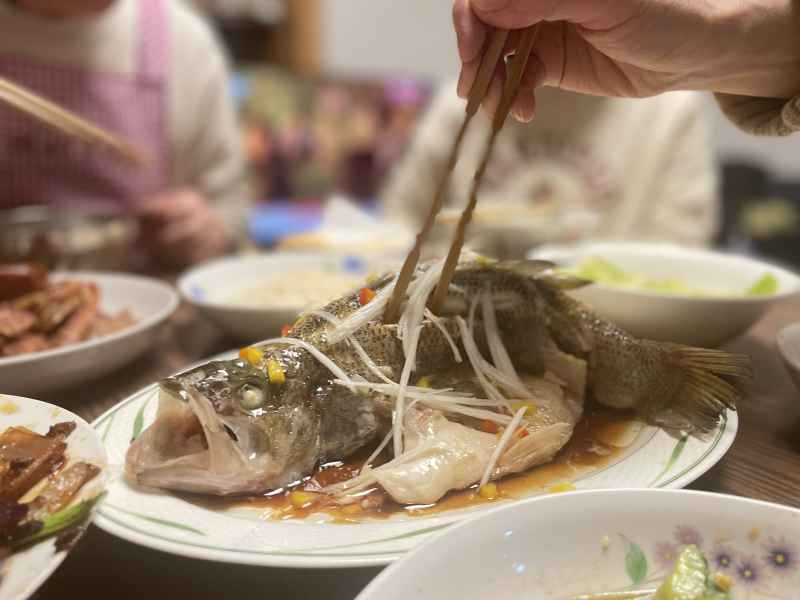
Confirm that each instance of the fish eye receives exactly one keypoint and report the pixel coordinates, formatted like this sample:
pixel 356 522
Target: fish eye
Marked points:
pixel 251 397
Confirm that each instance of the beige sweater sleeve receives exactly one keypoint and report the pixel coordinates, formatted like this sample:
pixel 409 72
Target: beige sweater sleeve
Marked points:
pixel 762 116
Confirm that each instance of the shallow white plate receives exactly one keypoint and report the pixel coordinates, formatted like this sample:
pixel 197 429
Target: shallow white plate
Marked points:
pixel 24 572
pixel 588 542
pixel 708 321
pixel 168 523
pixel 149 300
pixel 209 288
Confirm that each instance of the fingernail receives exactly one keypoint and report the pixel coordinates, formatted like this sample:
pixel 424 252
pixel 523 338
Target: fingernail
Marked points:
pixel 524 110
pixel 522 115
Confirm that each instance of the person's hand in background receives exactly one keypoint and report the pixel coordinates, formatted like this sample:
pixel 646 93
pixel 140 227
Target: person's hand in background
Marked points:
pixel 639 48
pixel 179 228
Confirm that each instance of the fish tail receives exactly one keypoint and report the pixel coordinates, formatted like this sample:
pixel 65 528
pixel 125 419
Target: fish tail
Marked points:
pixel 713 381
pixel 677 387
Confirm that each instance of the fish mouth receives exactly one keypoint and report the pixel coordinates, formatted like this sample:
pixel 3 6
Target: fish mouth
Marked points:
pixel 190 447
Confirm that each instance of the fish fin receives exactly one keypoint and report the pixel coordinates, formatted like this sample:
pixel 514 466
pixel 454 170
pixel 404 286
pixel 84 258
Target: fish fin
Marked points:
pixel 529 268
pixel 715 381
pixel 569 335
pixel 545 272
pixel 562 281
pixel 536 448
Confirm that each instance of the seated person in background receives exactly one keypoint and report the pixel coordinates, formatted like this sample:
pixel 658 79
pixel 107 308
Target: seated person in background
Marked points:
pixel 150 71
pixel 644 166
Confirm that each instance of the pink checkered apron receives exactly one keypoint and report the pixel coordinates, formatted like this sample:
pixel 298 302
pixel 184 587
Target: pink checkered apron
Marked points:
pixel 42 166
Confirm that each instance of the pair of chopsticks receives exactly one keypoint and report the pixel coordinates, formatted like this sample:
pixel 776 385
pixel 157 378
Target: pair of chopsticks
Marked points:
pixel 492 55
pixel 68 123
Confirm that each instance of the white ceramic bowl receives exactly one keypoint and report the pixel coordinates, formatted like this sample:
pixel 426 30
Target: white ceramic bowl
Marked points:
pixel 554 547
pixel 209 288
pixel 707 321
pixel 24 572
pixel 149 300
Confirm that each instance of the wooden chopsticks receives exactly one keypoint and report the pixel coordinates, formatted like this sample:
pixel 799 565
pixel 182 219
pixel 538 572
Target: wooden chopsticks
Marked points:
pixel 492 55
pixel 68 123
pixel 510 89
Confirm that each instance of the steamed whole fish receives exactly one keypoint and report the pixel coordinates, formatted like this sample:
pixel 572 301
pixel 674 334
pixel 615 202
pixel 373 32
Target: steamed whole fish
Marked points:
pixel 265 421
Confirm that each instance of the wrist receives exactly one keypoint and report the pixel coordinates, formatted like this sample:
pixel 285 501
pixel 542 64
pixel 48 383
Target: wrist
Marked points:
pixel 757 49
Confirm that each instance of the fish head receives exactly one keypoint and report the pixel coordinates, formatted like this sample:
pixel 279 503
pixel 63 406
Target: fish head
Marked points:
pixel 223 428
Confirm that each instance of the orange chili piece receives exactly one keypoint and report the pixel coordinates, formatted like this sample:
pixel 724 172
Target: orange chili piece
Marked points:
pixel 365 295
pixel 286 330
pixel 489 426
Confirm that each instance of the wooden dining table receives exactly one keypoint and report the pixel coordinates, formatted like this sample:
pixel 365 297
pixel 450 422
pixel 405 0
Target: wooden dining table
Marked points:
pixel 763 463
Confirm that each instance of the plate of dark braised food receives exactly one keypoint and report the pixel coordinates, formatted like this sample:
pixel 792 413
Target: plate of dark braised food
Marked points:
pixel 52 475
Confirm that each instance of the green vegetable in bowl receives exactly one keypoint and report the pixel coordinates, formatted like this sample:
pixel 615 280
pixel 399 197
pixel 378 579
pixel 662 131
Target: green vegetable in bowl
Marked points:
pixel 768 284
pixel 602 271
pixel 692 580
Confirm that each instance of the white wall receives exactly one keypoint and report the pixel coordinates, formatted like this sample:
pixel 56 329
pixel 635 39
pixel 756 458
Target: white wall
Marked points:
pixel 415 37
pixel 409 37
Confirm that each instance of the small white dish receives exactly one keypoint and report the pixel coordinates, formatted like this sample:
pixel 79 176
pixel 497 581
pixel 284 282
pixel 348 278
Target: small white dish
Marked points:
pixel 211 288
pixel 553 548
pixel 22 573
pixel 696 321
pixel 170 523
pixel 150 301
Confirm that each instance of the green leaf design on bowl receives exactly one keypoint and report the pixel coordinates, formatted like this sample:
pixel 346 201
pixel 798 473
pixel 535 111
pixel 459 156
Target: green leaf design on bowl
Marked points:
pixel 635 562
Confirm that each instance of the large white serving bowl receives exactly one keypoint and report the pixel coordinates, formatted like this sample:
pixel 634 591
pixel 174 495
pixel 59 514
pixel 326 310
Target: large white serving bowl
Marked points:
pixel 555 547
pixel 705 321
pixel 150 301
pixel 209 288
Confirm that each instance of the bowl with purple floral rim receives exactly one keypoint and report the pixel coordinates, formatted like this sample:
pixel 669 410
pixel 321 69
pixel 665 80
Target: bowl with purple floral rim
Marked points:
pixel 601 541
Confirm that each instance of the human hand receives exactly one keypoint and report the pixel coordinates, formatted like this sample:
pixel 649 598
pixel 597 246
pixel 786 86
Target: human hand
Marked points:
pixel 638 48
pixel 180 228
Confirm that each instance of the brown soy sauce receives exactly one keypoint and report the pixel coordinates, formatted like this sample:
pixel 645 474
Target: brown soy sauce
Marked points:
pixel 601 438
